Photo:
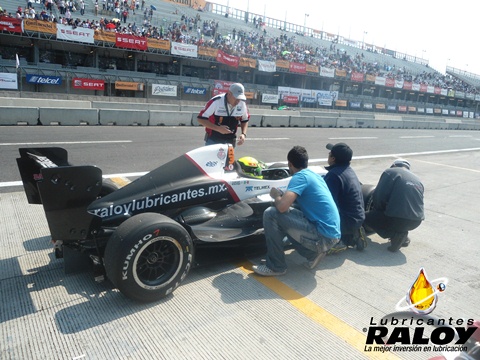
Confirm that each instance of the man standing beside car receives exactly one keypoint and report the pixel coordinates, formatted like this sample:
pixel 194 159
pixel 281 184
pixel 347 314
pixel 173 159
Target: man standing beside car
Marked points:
pixel 312 226
pixel 222 114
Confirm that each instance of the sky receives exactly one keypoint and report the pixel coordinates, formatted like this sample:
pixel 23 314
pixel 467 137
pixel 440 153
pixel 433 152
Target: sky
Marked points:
pixel 442 32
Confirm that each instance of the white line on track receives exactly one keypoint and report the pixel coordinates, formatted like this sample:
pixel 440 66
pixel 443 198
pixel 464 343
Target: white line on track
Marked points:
pixel 19 183
pixel 416 137
pixel 267 139
pixel 353 138
pixel 67 142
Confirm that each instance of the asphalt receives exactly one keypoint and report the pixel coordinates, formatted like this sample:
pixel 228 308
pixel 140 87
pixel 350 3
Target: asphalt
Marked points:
pixel 223 311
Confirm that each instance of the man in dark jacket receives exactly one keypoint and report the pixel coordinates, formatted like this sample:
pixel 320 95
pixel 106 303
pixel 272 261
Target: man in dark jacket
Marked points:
pixel 347 194
pixel 397 205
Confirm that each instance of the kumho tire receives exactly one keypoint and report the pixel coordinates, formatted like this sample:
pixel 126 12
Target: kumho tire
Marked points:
pixel 148 257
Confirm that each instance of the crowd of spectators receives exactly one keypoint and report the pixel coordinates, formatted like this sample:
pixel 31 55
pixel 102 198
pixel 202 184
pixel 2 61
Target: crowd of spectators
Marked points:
pixel 254 43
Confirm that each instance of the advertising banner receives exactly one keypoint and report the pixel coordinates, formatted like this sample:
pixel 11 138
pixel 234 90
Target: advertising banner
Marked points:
pixel 105 36
pixel 282 64
pixel 402 108
pixel 380 106
pixel 399 84
pixel 391 107
pixel 412 109
pixel 164 90
pixel 380 80
pixel 267 66
pixel 326 98
pixel 312 69
pixel 8 81
pixel 127 85
pixel 341 73
pixel 248 62
pixel 221 87
pixel 390 82
pixel 290 99
pixel 88 84
pixel 407 85
pixel 370 78
pixel 158 44
pixel 194 90
pixel 206 51
pixel 127 41
pixel 356 76
pixel 355 104
pixel 341 103
pixel 308 99
pixel 326 72
pixel 368 106
pixel 270 98
pixel 298 68
pixel 10 24
pixel 227 59
pixel 44 79
pixel 181 49
pixel 79 34
pixel 40 26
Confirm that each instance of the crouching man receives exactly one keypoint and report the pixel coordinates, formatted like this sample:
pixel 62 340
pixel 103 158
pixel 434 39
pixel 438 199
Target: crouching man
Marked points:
pixel 312 225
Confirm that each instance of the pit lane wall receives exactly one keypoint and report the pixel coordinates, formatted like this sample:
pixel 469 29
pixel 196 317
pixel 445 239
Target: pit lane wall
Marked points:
pixel 54 112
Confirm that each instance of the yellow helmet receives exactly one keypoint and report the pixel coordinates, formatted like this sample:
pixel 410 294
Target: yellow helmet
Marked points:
pixel 251 166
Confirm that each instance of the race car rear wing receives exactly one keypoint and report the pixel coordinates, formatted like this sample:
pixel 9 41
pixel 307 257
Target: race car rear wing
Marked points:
pixel 32 161
pixel 64 190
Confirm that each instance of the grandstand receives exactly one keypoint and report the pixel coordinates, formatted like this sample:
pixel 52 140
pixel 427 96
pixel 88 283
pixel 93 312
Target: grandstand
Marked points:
pixel 361 74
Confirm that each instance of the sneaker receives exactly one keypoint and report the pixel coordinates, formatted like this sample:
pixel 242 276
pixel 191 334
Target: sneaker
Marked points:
pixel 397 240
pixel 265 271
pixel 313 263
pixel 337 248
pixel 406 242
pixel 361 239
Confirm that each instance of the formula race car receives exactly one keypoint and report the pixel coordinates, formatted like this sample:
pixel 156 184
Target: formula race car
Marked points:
pixel 144 236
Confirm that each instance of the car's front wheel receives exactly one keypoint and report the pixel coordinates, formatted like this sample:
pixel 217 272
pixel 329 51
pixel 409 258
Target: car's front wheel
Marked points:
pixel 148 256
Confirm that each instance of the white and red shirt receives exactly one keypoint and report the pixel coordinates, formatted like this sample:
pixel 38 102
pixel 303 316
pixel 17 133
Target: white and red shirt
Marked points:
pixel 219 112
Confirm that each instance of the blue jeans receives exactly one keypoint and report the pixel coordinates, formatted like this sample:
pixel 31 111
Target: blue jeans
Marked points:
pixel 302 233
pixel 210 141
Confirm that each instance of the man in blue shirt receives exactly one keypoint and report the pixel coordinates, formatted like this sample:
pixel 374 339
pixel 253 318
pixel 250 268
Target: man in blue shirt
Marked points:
pixel 312 226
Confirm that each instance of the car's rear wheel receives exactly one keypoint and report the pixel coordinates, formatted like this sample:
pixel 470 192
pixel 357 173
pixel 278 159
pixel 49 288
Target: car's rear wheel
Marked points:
pixel 108 186
pixel 148 256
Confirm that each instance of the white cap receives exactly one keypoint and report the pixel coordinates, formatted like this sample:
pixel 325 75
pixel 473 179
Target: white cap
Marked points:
pixel 238 91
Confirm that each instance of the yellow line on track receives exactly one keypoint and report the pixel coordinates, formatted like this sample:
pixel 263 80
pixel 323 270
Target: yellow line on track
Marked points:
pixel 120 181
pixel 329 321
